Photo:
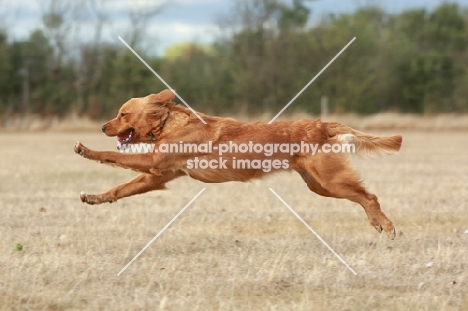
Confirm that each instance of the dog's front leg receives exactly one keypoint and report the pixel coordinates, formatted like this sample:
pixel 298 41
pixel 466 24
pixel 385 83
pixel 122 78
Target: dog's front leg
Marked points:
pixel 140 184
pixel 144 163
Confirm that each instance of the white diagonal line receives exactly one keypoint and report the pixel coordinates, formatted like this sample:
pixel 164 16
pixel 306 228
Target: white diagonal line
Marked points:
pixel 313 231
pixel 316 76
pixel 160 78
pixel 160 232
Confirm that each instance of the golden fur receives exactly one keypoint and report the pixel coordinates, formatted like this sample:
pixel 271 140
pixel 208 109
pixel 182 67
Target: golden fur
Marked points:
pixel 157 119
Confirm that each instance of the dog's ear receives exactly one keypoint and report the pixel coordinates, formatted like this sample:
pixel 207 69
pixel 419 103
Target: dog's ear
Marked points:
pixel 160 98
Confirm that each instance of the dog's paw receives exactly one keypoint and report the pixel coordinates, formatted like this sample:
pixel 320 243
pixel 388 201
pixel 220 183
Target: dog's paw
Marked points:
pixel 378 228
pixel 391 234
pixel 84 196
pixel 88 198
pixel 92 199
pixel 79 149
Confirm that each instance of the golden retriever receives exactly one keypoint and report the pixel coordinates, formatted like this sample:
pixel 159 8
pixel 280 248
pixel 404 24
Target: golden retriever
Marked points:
pixel 156 119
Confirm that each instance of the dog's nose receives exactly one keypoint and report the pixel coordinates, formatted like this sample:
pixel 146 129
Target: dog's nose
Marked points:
pixel 103 128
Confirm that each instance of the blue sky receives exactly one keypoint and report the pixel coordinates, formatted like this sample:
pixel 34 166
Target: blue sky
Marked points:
pixel 181 20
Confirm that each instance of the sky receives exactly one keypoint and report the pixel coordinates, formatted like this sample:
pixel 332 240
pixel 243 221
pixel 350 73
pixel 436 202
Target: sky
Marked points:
pixel 179 21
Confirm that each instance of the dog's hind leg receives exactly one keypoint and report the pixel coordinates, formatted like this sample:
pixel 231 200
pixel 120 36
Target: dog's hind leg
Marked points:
pixel 140 184
pixel 338 179
pixel 313 185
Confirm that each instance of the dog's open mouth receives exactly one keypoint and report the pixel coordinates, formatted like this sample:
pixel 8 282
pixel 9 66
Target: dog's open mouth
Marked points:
pixel 125 137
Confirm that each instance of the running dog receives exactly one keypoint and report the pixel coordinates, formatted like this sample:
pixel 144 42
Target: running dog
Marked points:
pixel 156 119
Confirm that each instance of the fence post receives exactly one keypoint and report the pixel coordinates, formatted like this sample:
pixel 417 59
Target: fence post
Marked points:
pixel 324 107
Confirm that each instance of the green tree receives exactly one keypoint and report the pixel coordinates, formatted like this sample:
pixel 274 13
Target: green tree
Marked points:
pixel 6 72
pixel 32 57
pixel 295 16
pixel 427 70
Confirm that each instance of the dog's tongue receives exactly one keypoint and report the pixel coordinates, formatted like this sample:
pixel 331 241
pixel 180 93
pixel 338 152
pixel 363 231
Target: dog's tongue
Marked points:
pixel 123 136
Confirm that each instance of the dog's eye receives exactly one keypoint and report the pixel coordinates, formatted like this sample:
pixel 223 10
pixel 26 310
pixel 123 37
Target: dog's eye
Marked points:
pixel 122 114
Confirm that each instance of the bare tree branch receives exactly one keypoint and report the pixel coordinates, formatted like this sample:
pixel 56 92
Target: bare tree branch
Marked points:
pixel 139 18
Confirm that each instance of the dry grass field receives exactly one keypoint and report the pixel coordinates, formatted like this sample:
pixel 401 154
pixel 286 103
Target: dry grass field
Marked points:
pixel 237 247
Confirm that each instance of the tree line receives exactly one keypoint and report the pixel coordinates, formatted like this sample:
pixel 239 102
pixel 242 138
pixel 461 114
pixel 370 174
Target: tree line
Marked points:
pixel 415 61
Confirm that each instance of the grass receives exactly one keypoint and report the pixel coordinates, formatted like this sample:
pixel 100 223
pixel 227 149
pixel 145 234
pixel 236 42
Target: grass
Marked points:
pixel 237 247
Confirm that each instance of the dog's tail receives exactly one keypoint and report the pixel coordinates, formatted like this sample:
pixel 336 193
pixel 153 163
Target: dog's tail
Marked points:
pixel 365 144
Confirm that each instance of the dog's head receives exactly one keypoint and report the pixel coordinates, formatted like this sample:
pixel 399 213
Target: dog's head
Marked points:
pixel 141 120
